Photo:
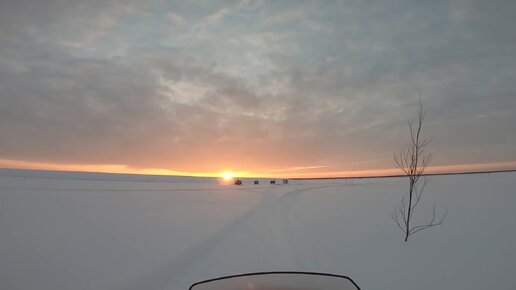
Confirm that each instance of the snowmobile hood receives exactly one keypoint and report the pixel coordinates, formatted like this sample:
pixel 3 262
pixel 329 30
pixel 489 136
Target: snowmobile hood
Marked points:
pixel 278 281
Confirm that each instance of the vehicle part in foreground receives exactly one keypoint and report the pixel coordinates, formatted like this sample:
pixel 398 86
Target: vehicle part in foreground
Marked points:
pixel 278 281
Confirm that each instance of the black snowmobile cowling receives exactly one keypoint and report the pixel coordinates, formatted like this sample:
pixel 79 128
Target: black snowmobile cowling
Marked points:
pixel 278 281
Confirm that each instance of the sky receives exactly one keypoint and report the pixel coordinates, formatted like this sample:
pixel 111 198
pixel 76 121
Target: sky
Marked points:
pixel 265 88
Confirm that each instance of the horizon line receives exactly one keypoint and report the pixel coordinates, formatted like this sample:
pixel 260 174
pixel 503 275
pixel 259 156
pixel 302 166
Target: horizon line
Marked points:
pixel 269 177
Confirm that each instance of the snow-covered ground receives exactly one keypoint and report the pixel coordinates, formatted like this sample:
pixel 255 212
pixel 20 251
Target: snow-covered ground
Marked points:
pixel 96 231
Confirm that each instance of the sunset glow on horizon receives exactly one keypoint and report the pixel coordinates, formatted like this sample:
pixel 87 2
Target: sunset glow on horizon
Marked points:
pixel 228 176
pixel 258 88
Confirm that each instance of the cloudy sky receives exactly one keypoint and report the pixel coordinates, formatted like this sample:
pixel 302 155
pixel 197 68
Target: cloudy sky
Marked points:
pixel 270 87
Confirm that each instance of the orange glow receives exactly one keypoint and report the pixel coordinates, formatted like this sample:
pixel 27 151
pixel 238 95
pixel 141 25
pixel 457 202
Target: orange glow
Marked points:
pixel 227 176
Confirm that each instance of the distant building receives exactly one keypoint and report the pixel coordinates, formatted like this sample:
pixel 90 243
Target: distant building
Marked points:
pixel 273 181
pixel 285 181
pixel 238 182
pixel 256 182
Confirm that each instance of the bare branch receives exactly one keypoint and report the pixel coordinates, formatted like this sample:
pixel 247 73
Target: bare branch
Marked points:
pixel 394 217
pixel 429 225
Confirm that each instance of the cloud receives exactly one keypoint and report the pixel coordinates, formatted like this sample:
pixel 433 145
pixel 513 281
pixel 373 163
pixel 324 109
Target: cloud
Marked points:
pixel 142 85
pixel 175 18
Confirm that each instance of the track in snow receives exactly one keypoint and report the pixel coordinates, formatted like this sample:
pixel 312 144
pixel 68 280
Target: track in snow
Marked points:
pixel 260 239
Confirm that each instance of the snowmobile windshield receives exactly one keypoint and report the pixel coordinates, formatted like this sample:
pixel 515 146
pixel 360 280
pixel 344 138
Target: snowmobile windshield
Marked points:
pixel 278 281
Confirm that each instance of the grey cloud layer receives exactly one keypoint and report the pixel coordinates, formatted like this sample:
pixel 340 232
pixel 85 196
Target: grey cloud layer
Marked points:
pixel 264 84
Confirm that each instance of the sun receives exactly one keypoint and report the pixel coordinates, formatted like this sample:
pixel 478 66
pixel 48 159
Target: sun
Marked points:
pixel 227 176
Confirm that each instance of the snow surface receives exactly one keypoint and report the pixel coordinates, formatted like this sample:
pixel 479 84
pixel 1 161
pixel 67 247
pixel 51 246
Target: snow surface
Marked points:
pixel 125 232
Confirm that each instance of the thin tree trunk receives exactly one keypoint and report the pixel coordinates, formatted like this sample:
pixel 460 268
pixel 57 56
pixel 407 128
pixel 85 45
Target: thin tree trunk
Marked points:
pixel 411 190
pixel 413 160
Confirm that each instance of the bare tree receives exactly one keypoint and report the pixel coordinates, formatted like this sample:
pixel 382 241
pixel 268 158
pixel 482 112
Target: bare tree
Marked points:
pixel 413 160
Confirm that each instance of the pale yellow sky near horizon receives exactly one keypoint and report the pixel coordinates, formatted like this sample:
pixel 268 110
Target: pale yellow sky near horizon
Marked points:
pixel 316 171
